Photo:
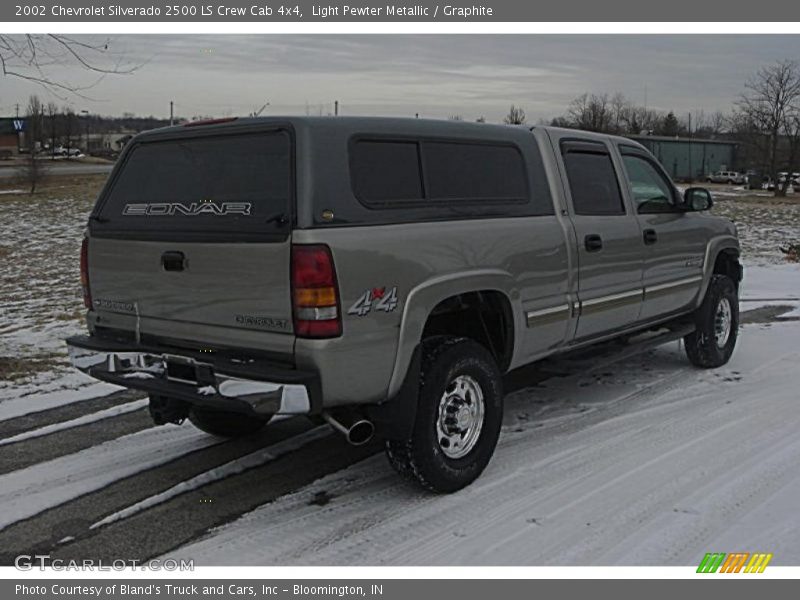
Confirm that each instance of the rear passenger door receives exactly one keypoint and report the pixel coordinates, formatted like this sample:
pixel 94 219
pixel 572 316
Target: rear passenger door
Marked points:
pixel 608 239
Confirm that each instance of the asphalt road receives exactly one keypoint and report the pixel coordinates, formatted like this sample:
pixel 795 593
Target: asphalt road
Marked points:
pixel 7 172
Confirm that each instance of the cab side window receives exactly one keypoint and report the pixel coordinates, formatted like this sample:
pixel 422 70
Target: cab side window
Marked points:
pixel 651 192
pixel 592 179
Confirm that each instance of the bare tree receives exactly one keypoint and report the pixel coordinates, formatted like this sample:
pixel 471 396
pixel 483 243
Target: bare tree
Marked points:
pixel 770 102
pixel 618 107
pixel 52 125
pixel 33 169
pixel 712 125
pixel 590 112
pixel 39 58
pixel 515 116
pixel 69 128
pixel 34 123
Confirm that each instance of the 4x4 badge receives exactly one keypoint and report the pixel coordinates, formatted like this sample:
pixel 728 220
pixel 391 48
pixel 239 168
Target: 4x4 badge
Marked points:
pixel 377 298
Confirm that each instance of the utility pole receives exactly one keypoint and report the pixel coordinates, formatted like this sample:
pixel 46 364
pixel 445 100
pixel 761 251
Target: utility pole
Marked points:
pixel 171 113
pixel 85 114
pixel 691 173
pixel 336 108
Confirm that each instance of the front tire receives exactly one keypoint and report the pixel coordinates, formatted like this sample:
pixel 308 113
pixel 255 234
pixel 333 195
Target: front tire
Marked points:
pixel 712 342
pixel 225 424
pixel 458 420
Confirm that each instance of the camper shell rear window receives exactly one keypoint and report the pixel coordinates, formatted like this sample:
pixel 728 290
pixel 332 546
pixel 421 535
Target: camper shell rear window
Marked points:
pixel 221 183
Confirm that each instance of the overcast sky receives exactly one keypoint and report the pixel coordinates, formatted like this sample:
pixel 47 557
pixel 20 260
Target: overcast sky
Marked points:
pixel 433 75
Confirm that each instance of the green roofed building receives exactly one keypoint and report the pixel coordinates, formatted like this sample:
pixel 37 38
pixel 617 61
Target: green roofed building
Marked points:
pixel 691 159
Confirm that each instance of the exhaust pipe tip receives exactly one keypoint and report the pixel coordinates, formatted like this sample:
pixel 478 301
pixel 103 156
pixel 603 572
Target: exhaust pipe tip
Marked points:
pixel 360 432
pixel 357 432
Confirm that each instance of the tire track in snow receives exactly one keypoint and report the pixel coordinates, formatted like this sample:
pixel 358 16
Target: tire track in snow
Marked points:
pixel 114 411
pixel 25 414
pixel 167 455
pixel 25 492
pixel 188 516
pixel 229 469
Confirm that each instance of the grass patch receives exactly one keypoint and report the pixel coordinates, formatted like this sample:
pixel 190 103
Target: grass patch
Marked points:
pixel 15 368
pixel 55 186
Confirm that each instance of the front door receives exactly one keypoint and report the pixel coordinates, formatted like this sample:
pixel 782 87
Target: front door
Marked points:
pixel 674 240
pixel 608 239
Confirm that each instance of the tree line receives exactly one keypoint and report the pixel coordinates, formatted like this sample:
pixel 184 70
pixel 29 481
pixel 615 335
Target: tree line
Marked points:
pixel 764 120
pixel 48 126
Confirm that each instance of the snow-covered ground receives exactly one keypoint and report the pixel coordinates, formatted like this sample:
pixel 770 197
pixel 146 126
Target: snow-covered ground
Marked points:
pixel 40 290
pixel 653 463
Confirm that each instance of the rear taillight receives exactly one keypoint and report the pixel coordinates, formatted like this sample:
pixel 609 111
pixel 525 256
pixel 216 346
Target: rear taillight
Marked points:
pixel 87 294
pixel 315 296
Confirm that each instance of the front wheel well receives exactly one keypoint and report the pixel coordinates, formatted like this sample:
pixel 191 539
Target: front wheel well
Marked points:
pixel 727 263
pixel 484 316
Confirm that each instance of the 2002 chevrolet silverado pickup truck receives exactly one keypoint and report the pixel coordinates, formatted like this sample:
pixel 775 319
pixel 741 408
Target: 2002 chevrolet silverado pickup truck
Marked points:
pixel 384 273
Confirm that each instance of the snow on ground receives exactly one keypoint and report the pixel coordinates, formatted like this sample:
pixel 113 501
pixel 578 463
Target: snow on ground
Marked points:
pixel 67 389
pixel 40 241
pixel 108 413
pixel 238 465
pixel 764 224
pixel 31 490
pixel 652 462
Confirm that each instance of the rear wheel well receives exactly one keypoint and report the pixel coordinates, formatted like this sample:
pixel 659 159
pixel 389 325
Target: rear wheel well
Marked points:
pixel 484 316
pixel 727 263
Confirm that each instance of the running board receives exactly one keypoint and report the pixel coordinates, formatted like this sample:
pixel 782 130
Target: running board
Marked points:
pixel 634 347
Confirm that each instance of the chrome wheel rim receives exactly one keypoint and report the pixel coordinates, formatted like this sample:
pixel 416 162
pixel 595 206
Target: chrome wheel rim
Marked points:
pixel 460 418
pixel 723 320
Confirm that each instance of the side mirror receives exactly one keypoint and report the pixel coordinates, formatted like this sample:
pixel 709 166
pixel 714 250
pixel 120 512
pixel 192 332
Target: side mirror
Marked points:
pixel 697 199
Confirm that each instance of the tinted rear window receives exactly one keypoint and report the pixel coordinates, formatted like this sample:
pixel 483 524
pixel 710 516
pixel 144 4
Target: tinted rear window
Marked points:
pixel 474 172
pixel 216 183
pixel 389 172
pixel 593 184
pixel 386 171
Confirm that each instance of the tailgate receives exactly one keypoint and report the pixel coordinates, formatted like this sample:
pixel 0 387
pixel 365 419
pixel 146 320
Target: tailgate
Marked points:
pixel 191 240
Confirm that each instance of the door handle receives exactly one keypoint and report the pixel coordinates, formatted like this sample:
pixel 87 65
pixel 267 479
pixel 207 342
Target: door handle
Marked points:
pixel 593 242
pixel 650 236
pixel 173 261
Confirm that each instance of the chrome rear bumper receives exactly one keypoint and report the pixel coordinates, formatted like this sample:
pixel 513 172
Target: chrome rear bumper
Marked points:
pixel 189 379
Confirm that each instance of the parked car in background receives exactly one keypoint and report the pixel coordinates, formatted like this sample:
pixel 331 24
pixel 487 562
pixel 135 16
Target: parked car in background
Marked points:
pixel 71 152
pixel 730 177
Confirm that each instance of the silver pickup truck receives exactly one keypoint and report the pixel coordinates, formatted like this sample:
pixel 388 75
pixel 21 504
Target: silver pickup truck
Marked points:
pixel 383 274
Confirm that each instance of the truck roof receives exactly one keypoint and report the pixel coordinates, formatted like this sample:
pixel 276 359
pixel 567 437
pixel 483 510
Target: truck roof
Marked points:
pixel 339 126
pixel 396 125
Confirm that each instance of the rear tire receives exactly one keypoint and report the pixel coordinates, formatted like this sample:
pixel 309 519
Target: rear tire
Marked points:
pixel 712 342
pixel 458 419
pixel 225 424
